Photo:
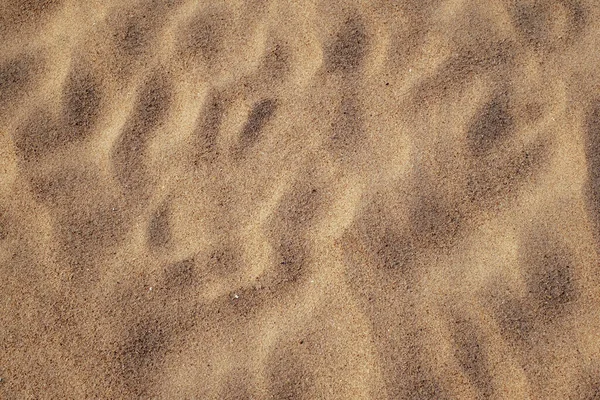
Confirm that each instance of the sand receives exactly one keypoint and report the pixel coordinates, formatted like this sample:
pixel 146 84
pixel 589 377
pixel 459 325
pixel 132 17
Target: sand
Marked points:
pixel 261 199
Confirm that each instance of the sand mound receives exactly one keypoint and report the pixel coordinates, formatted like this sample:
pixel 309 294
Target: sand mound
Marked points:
pixel 258 199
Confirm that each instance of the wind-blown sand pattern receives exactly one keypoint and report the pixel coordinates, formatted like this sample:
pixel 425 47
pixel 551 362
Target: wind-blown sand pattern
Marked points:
pixel 254 199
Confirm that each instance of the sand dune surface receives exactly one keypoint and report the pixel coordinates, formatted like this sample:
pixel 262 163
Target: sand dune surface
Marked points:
pixel 260 199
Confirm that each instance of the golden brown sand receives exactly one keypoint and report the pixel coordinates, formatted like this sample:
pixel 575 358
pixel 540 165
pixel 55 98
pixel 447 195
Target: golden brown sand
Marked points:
pixel 254 199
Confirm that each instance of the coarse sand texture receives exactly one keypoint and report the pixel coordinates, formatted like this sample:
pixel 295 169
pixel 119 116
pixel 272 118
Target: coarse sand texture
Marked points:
pixel 312 199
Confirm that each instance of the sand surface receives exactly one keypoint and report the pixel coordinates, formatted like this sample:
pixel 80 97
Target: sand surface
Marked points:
pixel 256 199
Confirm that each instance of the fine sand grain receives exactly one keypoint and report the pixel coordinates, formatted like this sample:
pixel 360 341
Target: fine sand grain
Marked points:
pixel 265 199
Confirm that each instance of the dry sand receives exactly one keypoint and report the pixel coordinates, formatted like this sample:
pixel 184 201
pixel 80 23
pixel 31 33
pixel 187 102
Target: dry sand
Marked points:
pixel 254 199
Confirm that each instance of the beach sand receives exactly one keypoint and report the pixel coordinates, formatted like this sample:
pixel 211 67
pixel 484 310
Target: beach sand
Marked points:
pixel 260 199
